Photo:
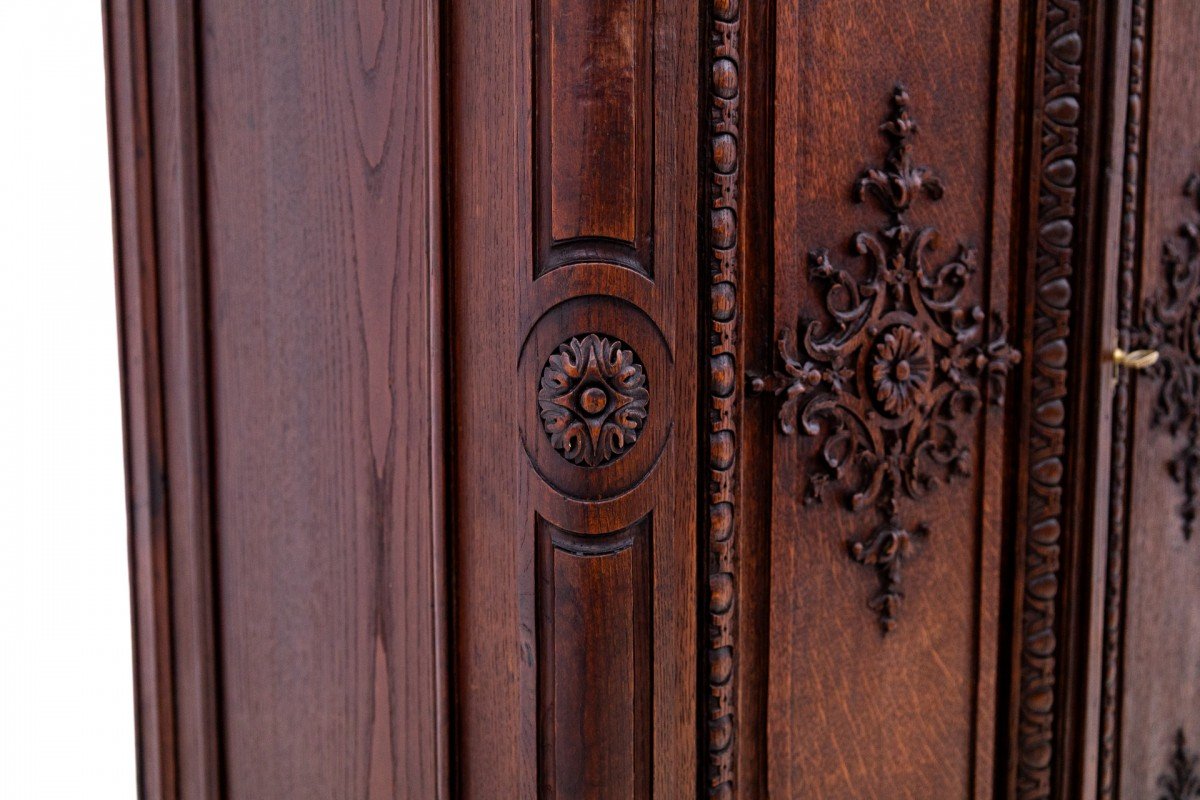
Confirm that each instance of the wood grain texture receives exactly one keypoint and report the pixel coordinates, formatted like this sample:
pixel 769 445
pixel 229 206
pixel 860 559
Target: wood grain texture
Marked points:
pixel 754 421
pixel 509 322
pixel 597 93
pixel 1158 631
pixel 435 306
pixel 852 712
pixel 595 654
pixel 153 105
pixel 595 157
pixel 323 246
pixel 1063 403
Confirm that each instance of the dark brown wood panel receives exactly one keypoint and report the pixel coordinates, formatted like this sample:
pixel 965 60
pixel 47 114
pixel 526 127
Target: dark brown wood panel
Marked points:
pixel 740 373
pixel 158 214
pixel 594 139
pixel 1159 665
pixel 575 392
pixel 894 169
pixel 594 651
pixel 1063 402
pixel 320 133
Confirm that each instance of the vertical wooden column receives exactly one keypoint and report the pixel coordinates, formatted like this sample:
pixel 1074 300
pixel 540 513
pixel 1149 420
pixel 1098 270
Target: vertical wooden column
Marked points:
pixel 573 131
pixel 158 216
pixel 1062 401
pixel 278 218
pixel 720 686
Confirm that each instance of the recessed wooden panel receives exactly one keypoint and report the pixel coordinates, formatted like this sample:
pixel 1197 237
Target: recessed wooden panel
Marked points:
pixel 323 273
pixel 553 173
pixel 893 190
pixel 594 147
pixel 594 651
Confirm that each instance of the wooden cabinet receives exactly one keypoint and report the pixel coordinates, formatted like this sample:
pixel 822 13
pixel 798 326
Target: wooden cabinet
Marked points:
pixel 689 398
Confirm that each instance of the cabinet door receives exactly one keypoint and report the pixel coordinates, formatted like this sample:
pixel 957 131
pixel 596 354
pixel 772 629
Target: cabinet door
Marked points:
pixel 1150 733
pixel 895 289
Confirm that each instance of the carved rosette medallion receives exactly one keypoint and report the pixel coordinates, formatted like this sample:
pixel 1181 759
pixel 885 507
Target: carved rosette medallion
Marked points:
pixel 888 382
pixel 1181 781
pixel 1171 325
pixel 593 399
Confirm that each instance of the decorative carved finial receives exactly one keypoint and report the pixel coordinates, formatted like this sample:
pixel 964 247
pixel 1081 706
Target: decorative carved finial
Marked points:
pixel 593 400
pixel 901 182
pixel 889 380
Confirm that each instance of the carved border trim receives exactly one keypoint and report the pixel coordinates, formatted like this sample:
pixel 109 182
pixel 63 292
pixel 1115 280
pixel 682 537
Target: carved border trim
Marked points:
pixel 1053 267
pixel 723 392
pixel 1114 566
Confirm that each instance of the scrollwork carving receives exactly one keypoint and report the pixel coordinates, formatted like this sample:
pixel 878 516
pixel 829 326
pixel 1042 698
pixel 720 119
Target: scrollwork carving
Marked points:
pixel 593 399
pixel 888 381
pixel 1171 325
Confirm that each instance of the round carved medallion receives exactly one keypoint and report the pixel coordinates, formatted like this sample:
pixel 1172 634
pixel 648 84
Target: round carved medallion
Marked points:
pixel 900 369
pixel 593 399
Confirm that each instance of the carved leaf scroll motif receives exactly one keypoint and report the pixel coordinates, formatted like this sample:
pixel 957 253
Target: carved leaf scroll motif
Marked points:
pixel 888 381
pixel 1171 325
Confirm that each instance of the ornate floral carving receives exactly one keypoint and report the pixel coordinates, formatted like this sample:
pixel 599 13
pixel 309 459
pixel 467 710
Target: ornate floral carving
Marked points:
pixel 593 399
pixel 906 360
pixel 901 369
pixel 1180 781
pixel 1171 325
pixel 724 394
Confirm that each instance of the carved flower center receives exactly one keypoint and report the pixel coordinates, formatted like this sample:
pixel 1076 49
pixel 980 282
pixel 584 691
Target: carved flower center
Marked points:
pixel 593 400
pixel 900 370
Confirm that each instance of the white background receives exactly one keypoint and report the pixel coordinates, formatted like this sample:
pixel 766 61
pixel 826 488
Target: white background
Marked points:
pixel 66 694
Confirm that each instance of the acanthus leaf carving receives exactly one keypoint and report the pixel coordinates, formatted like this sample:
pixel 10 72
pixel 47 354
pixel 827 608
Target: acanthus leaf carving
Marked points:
pixel 887 382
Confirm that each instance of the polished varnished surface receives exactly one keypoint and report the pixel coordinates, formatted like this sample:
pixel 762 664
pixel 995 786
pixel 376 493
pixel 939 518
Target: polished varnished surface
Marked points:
pixel 697 398
pixel 555 700
pixel 883 617
pixel 1161 562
